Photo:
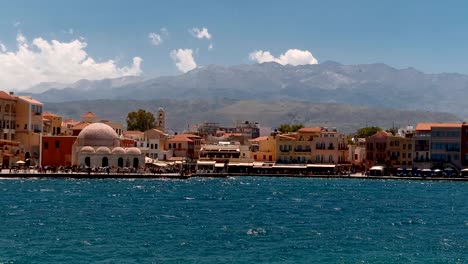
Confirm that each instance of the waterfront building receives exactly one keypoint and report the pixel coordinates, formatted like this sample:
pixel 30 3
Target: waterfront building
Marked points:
pixel 57 150
pixel 98 145
pixel 185 145
pixel 264 148
pixel 7 116
pixel 445 145
pixel 464 145
pixel 376 149
pixel 438 145
pixel 10 149
pixel 52 124
pixel 29 127
pixel 357 152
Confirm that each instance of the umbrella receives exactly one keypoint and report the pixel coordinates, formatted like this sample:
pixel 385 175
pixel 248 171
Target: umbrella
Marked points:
pixel 20 162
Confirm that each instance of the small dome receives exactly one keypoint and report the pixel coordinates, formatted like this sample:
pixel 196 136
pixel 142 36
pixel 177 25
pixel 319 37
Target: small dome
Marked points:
pixel 103 150
pixel 87 149
pixel 98 134
pixel 118 150
pixel 133 150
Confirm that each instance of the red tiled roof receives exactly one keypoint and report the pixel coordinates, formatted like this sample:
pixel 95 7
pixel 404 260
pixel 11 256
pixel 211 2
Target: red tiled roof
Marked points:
pixel 49 114
pixel 287 136
pixel 80 126
pixel 310 129
pixel 5 96
pixel 428 126
pixel 132 132
pixel 259 139
pixel 30 100
pixel 180 138
pixel 88 115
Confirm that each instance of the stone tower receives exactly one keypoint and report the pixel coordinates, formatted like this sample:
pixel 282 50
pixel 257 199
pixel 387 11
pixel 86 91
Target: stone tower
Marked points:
pixel 161 120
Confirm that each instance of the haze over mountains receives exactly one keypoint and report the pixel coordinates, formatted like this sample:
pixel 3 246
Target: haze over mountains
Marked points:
pixel 369 85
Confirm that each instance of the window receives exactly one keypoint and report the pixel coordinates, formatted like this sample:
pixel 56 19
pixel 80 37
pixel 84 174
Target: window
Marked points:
pixel 156 146
pixel 152 146
pixel 180 145
pixel 46 145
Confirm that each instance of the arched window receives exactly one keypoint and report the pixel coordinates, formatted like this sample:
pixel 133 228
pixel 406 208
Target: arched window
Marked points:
pixel 120 162
pixel 87 161
pixel 105 162
pixel 135 163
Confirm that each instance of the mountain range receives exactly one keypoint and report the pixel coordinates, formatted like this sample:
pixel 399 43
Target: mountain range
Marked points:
pixel 376 86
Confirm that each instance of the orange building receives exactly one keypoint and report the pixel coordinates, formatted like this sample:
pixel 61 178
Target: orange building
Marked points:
pixel 57 150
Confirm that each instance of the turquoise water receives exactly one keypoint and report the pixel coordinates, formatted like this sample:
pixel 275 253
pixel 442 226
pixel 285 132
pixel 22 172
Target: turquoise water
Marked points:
pixel 233 220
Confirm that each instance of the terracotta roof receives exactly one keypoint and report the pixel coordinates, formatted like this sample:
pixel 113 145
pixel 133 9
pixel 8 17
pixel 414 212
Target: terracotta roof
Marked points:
pixel 259 139
pixel 310 129
pixel 132 132
pixel 381 134
pixel 49 114
pixel 88 115
pixel 428 126
pixel 192 136
pixel 5 96
pixel 179 138
pixel 80 126
pixel 287 136
pixel 30 100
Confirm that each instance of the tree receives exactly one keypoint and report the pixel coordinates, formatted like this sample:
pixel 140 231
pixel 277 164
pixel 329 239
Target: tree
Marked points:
pixel 367 131
pixel 140 120
pixel 285 128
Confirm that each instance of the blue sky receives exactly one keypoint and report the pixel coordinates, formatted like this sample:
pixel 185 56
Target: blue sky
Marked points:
pixel 431 36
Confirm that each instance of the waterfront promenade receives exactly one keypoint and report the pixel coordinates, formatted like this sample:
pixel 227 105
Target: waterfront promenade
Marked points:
pixel 5 173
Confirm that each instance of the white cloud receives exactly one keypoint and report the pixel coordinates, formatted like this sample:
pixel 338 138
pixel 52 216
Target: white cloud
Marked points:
pixel 55 61
pixel 210 47
pixel 291 56
pixel 2 47
pixel 200 33
pixel 184 59
pixel 155 38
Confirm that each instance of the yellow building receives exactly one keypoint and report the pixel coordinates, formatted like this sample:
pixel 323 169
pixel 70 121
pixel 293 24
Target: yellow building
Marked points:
pixel 29 127
pixel 52 124
pixel 263 148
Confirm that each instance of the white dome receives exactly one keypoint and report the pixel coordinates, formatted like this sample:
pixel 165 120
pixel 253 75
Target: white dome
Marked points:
pixel 118 150
pixel 103 150
pixel 87 149
pixel 98 134
pixel 133 150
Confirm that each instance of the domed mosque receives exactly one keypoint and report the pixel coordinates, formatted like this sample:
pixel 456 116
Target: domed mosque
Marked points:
pixel 98 145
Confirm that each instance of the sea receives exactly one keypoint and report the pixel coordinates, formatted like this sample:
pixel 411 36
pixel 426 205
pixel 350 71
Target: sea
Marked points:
pixel 233 220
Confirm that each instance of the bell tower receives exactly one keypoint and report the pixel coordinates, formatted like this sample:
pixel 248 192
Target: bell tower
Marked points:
pixel 161 120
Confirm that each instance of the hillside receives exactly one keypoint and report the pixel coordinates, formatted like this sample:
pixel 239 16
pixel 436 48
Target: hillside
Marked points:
pixel 182 113
pixel 374 85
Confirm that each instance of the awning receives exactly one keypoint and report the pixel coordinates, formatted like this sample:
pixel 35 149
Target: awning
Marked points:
pixel 377 168
pixel 160 164
pixel 466 169
pixel 206 162
pixel 219 165
pixel 321 165
pixel 289 166
pixel 258 164
pixel 243 164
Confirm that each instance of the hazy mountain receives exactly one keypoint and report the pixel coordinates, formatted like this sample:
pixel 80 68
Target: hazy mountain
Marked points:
pixel 182 113
pixel 376 85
